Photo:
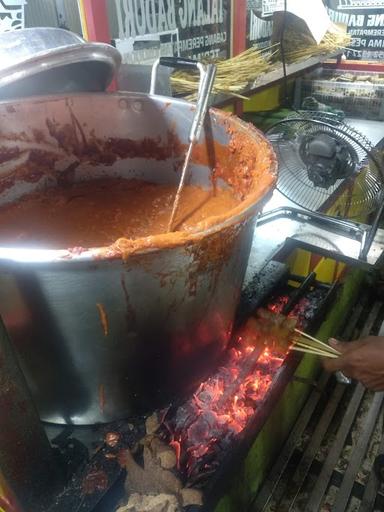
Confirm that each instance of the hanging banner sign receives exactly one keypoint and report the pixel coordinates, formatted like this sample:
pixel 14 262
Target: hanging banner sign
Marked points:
pixel 198 29
pixel 11 15
pixel 270 6
pixel 365 22
pixel 259 30
pixel 313 13
pixel 360 4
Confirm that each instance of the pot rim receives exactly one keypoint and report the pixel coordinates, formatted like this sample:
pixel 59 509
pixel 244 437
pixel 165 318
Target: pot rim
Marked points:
pixel 86 53
pixel 33 255
pixel 73 49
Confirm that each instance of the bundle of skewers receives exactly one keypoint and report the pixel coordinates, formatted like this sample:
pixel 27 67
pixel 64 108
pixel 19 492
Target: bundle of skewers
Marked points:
pixel 232 75
pixel 280 333
pixel 300 45
pixel 303 342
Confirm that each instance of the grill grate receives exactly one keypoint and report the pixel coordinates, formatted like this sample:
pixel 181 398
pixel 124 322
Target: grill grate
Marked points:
pixel 326 464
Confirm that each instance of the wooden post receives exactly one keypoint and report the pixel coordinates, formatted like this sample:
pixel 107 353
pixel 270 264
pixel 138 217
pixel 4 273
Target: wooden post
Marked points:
pixel 94 20
pixel 28 471
pixel 95 24
pixel 239 31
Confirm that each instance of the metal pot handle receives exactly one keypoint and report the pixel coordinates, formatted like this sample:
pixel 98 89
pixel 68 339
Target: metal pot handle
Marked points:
pixel 177 63
pixel 207 77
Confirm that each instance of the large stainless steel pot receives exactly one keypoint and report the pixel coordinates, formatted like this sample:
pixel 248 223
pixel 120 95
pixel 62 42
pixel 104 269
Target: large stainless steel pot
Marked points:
pixel 169 300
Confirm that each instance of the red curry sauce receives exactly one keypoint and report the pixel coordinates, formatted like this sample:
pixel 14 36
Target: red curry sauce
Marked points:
pixel 96 213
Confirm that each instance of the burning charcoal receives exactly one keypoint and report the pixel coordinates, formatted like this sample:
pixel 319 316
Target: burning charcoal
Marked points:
pixel 198 450
pixel 206 396
pixel 129 433
pixel 145 503
pixel 228 375
pixel 199 477
pixel 110 456
pixel 191 497
pixel 225 441
pixel 203 429
pixel 112 439
pixel 94 481
pixel 278 303
pixel 184 416
pixel 198 432
pixel 250 402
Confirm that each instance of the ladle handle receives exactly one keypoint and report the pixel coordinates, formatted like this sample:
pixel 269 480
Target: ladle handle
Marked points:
pixel 202 102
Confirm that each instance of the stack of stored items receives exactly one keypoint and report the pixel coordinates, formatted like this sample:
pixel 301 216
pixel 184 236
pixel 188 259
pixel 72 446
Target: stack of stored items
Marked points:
pixel 356 93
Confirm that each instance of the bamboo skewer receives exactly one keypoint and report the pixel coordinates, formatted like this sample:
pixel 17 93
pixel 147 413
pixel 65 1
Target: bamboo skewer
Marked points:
pixel 300 45
pixel 318 342
pixel 310 345
pixel 236 74
pixel 314 352
pixel 298 343
pixel 232 75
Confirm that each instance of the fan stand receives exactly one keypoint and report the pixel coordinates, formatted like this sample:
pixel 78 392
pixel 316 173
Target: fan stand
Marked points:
pixel 354 230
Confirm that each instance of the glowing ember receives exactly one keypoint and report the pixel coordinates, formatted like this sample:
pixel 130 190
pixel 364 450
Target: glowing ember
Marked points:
pixel 204 428
pixel 278 304
pixel 303 310
pixel 212 418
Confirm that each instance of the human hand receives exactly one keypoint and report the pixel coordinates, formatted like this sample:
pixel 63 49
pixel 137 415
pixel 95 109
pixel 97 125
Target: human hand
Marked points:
pixel 362 360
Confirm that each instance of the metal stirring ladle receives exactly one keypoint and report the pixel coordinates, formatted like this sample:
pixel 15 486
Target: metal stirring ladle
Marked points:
pixel 207 77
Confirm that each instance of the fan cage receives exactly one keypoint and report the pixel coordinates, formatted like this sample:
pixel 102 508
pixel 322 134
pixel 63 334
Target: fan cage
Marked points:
pixel 352 197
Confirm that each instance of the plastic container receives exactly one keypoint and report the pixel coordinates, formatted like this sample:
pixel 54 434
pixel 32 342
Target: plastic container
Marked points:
pixel 358 94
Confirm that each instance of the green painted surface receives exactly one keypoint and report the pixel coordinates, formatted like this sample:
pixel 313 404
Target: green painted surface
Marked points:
pixel 266 446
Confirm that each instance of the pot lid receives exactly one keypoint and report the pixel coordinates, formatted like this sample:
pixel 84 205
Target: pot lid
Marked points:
pixel 39 61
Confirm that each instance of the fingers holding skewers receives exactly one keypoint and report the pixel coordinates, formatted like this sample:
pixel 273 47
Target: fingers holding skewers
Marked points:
pixel 280 333
pixel 362 360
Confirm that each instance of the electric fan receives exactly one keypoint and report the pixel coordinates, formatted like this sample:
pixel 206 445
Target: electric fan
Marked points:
pixel 326 166
pixel 331 172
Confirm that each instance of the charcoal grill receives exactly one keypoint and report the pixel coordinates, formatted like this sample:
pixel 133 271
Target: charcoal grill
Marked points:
pixel 95 481
pixel 283 470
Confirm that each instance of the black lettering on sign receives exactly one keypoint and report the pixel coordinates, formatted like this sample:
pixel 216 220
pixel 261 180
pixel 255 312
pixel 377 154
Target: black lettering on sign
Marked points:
pixel 179 27
pixel 259 30
pixel 365 23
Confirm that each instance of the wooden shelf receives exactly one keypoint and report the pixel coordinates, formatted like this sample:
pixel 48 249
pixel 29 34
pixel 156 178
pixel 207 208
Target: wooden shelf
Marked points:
pixel 276 76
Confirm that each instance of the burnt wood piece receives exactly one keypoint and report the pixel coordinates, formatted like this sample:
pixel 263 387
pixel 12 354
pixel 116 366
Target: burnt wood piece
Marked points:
pixel 304 287
pixel 258 288
pixel 324 307
pixel 88 486
pixel 97 481
pixel 29 471
pixel 246 370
